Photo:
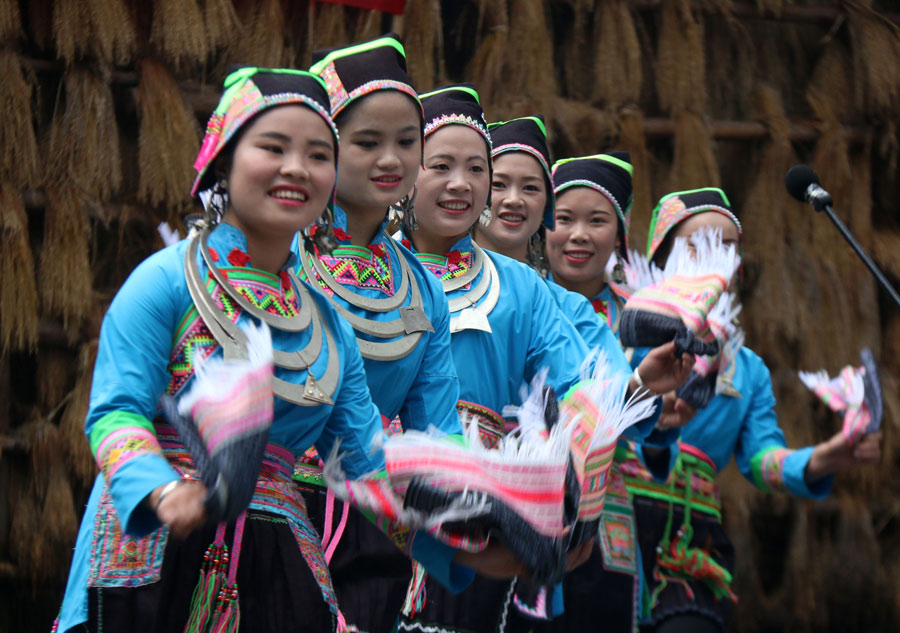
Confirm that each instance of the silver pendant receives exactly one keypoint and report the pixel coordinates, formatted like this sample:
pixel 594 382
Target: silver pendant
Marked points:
pixel 414 319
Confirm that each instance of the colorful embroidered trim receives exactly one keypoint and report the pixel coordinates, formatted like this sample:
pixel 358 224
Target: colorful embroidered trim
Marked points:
pixel 692 468
pixel 118 560
pixel 119 437
pixel 674 210
pixel 242 100
pixel 369 268
pixel 451 266
pixel 458 119
pixel 618 531
pixel 768 468
pixel 521 147
pixel 193 341
pixel 491 425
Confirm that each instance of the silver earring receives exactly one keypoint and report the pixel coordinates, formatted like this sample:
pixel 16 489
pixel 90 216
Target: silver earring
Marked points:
pixel 618 271
pixel 405 208
pixel 535 253
pixel 485 218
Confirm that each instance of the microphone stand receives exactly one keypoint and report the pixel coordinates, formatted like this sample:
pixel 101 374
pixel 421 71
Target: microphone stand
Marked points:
pixel 872 266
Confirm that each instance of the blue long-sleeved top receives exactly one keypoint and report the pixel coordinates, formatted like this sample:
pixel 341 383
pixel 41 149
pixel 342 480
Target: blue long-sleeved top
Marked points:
pixel 421 388
pixel 150 339
pixel 528 332
pixel 747 428
pixel 598 335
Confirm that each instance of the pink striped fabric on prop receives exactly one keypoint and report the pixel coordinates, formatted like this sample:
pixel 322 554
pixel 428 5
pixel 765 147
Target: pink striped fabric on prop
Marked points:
pixel 595 413
pixel 855 392
pixel 224 421
pixel 674 303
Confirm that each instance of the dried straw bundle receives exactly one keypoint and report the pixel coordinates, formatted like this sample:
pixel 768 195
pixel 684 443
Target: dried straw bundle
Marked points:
pixel 632 139
pixel 262 42
pixel 72 31
pixel 178 31
pixel 84 140
pixel 885 251
pixel 575 33
pixel 18 147
pixel 169 138
pixel 694 163
pixel 223 27
pixel 28 550
pixel 423 40
pixel 10 19
pixel 58 518
pixel 65 269
pixel 18 294
pixel 578 128
pixel 486 68
pixel 529 55
pixel 680 60
pixel 731 68
pixel 773 317
pixel 874 37
pixel 618 72
pixel 49 523
pixel 327 26
pixel 53 376
pixel 76 449
pixel 367 23
pixel 114 35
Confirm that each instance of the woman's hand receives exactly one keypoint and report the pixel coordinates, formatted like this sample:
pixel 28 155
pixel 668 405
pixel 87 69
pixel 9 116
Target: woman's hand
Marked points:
pixel 837 454
pixel 675 412
pixel 495 561
pixel 662 371
pixel 182 508
pixel 580 555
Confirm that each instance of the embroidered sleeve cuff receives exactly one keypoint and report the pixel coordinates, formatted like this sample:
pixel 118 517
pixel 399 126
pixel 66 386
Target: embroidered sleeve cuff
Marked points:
pixel 134 481
pixel 794 467
pixel 437 558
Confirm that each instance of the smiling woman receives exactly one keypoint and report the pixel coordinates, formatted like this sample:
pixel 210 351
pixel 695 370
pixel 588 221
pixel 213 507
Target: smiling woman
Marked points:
pixel 505 324
pixel 279 177
pixel 397 310
pixel 269 160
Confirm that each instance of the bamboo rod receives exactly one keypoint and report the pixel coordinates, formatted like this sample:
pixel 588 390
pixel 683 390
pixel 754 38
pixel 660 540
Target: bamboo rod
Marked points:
pixel 788 13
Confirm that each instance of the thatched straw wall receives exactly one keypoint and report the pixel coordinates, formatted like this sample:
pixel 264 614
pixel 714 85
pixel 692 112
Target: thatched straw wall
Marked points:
pixel 102 105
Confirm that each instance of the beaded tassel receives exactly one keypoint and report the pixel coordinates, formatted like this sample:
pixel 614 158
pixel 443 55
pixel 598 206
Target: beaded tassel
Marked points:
pixel 212 572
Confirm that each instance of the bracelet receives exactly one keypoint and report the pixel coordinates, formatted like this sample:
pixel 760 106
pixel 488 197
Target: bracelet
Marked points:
pixel 169 487
pixel 637 378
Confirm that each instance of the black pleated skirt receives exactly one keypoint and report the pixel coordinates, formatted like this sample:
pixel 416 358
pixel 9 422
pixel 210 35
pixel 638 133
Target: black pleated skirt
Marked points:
pixel 369 572
pixel 709 533
pixel 277 591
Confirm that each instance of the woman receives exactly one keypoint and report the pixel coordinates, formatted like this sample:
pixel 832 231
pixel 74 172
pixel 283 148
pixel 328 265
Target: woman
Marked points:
pixel 593 213
pixel 397 310
pixel 505 324
pixel 593 207
pixel 269 158
pixel 688 558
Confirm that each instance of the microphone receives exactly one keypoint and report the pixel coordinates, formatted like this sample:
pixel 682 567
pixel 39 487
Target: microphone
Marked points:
pixel 803 184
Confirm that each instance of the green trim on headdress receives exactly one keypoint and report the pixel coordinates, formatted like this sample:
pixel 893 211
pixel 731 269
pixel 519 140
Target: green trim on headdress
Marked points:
pixel 605 157
pixel 536 120
pixel 675 207
pixel 320 65
pixel 470 91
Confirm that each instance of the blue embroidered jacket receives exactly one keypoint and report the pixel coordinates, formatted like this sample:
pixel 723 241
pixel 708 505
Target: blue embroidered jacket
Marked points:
pixel 149 340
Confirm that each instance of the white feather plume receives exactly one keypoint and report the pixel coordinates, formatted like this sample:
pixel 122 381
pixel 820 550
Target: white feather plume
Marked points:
pixel 216 376
pixel 169 235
